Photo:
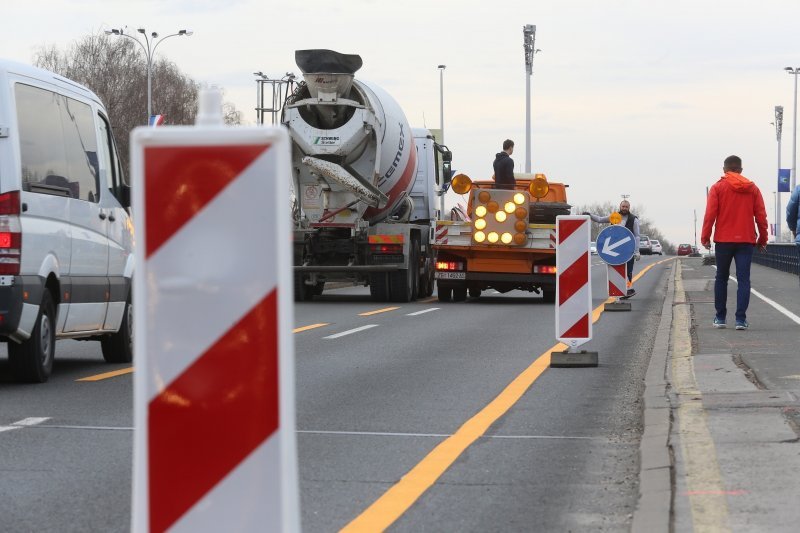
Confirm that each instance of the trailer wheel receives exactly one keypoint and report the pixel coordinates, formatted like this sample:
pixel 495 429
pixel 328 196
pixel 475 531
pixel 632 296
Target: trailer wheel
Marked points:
pixel 549 295
pixel 302 292
pixel 318 288
pixel 379 287
pixel 444 293
pixel 474 292
pixel 459 294
pixel 32 359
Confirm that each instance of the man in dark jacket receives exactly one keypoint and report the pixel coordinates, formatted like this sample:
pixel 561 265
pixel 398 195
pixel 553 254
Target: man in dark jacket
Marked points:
pixel 504 167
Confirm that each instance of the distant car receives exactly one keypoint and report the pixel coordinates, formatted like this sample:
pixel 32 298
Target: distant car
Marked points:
pixel 645 247
pixel 593 248
pixel 684 249
pixel 695 252
pixel 655 247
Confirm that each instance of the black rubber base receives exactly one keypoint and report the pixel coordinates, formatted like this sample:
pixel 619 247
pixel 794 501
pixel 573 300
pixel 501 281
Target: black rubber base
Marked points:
pixel 573 359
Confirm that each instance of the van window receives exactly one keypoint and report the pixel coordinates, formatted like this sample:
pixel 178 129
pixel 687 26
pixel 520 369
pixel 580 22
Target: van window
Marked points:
pixel 108 151
pixel 58 144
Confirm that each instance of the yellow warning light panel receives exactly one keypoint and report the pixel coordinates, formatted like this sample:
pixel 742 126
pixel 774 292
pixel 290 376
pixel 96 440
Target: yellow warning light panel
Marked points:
pixel 500 218
pixel 615 218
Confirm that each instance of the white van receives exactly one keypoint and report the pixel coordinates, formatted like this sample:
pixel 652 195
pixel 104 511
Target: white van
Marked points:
pixel 66 239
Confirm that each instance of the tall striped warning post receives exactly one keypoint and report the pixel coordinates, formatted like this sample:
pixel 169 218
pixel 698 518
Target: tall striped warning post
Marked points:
pixel 616 246
pixel 214 439
pixel 573 291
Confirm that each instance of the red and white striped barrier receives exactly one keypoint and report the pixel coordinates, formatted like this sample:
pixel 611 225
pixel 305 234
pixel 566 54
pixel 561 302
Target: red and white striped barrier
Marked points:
pixel 617 280
pixel 573 286
pixel 214 442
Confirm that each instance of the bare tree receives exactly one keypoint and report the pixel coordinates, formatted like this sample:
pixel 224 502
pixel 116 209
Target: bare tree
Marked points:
pixel 116 70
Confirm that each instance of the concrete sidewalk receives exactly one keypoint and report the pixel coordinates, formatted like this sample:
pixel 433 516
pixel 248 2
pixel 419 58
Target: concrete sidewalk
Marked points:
pixel 722 409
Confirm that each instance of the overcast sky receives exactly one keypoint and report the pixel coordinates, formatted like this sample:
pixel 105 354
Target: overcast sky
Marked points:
pixel 638 98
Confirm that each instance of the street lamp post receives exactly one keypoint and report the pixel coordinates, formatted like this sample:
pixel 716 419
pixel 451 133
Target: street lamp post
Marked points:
pixel 151 43
pixel 794 72
pixel 529 40
pixel 441 102
pixel 441 192
pixel 778 131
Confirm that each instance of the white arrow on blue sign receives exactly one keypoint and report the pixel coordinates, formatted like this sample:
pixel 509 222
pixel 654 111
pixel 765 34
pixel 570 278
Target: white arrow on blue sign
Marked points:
pixel 616 245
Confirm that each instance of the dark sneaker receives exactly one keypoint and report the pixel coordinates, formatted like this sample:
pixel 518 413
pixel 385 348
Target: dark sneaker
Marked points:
pixel 631 292
pixel 742 324
pixel 719 323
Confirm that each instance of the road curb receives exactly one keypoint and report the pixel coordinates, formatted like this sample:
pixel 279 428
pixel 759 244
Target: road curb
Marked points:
pixel 654 508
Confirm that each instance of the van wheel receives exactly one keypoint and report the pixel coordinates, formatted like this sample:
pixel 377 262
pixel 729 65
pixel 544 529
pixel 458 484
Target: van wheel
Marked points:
pixel 32 359
pixel 118 347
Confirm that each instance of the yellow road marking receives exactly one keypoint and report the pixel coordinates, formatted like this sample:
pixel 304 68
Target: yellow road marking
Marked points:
pixel 384 310
pixel 705 489
pixel 428 300
pixel 107 375
pixel 312 326
pixel 402 495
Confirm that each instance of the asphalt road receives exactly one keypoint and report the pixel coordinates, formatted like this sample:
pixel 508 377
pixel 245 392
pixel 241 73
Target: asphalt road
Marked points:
pixel 372 405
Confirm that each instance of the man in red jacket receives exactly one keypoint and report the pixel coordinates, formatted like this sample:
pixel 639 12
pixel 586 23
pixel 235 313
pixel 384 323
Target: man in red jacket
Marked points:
pixel 733 204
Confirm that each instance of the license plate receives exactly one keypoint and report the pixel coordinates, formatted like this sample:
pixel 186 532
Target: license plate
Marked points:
pixel 451 275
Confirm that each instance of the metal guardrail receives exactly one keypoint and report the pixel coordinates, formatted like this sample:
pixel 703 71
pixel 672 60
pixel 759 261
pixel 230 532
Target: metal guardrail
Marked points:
pixel 781 256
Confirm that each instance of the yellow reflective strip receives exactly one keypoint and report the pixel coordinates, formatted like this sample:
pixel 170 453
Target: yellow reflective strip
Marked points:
pixel 107 375
pixel 384 310
pixel 312 326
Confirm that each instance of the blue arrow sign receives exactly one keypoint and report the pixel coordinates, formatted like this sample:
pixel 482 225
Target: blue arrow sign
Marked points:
pixel 616 245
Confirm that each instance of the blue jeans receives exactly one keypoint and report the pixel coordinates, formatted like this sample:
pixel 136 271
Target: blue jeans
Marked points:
pixel 742 254
pixel 630 268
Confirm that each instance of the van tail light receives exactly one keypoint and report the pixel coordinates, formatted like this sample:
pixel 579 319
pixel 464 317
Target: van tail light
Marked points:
pixel 10 234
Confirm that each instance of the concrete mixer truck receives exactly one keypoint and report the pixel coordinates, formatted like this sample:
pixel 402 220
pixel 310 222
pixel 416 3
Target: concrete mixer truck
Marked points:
pixel 364 184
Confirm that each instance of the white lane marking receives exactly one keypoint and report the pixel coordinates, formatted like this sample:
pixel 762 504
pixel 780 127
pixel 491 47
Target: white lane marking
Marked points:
pixel 25 422
pixel 438 435
pixel 774 304
pixel 31 421
pixel 350 331
pixel 423 311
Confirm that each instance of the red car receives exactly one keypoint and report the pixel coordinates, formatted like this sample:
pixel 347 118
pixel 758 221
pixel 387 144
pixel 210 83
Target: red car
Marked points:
pixel 684 249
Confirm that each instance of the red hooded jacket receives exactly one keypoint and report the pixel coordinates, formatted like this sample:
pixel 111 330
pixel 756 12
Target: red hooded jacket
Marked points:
pixel 733 203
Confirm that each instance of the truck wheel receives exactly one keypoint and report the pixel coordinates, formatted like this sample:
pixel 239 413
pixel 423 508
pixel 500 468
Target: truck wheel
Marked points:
pixel 318 288
pixel 427 279
pixel 302 292
pixel 549 295
pixel 445 293
pixel 379 287
pixel 118 347
pixel 474 292
pixel 403 283
pixel 32 359
pixel 459 294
